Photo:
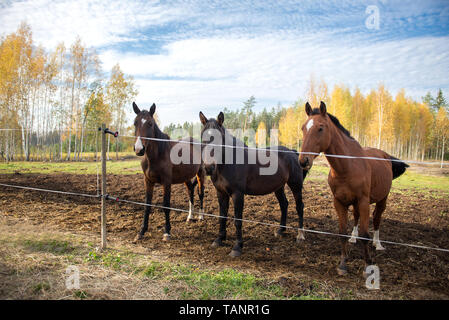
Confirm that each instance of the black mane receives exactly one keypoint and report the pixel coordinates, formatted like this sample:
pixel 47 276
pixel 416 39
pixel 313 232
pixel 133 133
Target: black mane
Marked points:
pixel 335 121
pixel 161 145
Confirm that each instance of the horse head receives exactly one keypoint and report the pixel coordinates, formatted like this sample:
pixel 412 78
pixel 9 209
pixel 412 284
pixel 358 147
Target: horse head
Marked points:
pixel 213 133
pixel 145 127
pixel 316 133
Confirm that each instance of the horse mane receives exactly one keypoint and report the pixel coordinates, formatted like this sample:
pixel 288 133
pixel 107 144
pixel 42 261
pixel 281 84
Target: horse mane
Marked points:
pixel 161 145
pixel 158 134
pixel 335 121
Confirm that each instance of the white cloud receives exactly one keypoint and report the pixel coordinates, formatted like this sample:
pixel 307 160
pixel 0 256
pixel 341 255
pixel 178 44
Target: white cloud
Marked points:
pixel 218 72
pixel 98 23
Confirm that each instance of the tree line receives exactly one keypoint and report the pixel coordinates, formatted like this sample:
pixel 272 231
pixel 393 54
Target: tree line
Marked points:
pixel 51 103
pixel 409 129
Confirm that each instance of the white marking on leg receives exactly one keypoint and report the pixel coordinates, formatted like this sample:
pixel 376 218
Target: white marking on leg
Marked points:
pixel 376 241
pixel 138 146
pixel 201 214
pixel 190 216
pixel 309 124
pixel 354 234
pixel 301 235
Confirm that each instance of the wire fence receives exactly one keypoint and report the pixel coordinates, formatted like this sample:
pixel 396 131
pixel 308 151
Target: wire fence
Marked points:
pixel 120 199
pixel 285 151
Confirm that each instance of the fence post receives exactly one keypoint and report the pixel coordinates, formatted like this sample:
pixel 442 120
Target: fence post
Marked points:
pixel 103 186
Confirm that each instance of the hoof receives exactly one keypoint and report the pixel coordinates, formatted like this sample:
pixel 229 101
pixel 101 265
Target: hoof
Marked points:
pixel 235 253
pixel 352 240
pixel 190 220
pixel 379 247
pixel 301 237
pixel 138 238
pixel 279 233
pixel 201 217
pixel 342 271
pixel 166 237
pixel 216 244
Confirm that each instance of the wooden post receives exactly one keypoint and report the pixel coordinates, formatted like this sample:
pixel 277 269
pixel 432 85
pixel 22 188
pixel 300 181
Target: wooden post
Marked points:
pixel 103 186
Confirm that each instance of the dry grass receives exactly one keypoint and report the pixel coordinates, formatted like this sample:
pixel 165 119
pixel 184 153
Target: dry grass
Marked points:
pixel 33 266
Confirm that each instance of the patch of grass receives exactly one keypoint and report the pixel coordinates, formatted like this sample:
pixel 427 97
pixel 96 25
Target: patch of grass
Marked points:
pixel 41 287
pixel 80 294
pixel 413 180
pixel 72 167
pixel 205 285
pixel 112 259
pixel 48 245
pixel 226 284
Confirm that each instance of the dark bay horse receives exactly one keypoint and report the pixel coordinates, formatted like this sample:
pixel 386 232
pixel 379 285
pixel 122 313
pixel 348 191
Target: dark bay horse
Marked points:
pixel 158 168
pixel 356 182
pixel 234 179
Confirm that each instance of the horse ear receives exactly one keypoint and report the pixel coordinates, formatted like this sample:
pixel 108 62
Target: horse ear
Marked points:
pixel 220 118
pixel 323 110
pixel 203 118
pixel 308 109
pixel 152 109
pixel 136 108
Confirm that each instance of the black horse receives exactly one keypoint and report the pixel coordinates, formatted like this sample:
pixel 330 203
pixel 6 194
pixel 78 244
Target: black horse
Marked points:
pixel 233 179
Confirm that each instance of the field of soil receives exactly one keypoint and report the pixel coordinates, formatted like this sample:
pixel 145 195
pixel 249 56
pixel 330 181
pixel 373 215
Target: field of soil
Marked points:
pixel 406 273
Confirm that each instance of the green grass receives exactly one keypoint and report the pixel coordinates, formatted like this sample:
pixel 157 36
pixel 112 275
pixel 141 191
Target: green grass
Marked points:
pixel 48 245
pixel 200 284
pixel 205 285
pixel 113 167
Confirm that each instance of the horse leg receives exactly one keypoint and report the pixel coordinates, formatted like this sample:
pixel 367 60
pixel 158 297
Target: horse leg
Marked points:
pixel 380 208
pixel 342 211
pixel 190 190
pixel 200 179
pixel 167 194
pixel 223 202
pixel 363 208
pixel 355 230
pixel 148 209
pixel 238 200
pixel 297 193
pixel 283 203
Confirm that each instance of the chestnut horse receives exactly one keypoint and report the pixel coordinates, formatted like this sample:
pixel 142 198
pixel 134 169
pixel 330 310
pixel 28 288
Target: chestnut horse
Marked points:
pixel 356 182
pixel 234 178
pixel 158 167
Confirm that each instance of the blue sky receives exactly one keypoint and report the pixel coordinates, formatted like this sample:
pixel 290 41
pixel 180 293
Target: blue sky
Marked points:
pixel 188 56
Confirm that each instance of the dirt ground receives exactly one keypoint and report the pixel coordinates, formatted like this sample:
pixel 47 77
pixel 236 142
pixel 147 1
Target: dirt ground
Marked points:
pixel 406 273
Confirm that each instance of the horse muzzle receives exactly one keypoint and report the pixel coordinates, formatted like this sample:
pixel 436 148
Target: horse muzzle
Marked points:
pixel 306 163
pixel 139 152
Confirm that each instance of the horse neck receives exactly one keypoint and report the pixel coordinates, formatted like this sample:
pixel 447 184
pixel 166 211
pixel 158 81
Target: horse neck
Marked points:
pixel 234 141
pixel 152 152
pixel 341 144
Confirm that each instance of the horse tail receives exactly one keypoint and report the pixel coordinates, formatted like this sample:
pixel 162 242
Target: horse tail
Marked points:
pixel 398 167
